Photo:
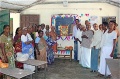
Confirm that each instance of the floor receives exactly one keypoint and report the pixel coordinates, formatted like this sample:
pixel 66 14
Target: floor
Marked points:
pixel 64 69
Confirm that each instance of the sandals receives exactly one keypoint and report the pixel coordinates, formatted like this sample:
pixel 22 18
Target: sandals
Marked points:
pixel 100 75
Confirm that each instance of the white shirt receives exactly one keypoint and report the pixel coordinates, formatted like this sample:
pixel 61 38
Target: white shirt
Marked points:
pixel 44 30
pixel 79 34
pixel 26 38
pixel 108 38
pixel 97 37
pixel 75 31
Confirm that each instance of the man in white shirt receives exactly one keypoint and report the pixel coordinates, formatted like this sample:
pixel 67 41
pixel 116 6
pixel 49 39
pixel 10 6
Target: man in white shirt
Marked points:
pixel 95 48
pixel 79 40
pixel 75 28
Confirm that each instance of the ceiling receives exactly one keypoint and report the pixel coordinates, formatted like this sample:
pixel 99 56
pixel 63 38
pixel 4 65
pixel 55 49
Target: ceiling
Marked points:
pixel 20 5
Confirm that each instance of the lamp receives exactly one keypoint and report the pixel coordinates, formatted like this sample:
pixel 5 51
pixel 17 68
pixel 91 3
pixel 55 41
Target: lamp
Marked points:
pixel 65 3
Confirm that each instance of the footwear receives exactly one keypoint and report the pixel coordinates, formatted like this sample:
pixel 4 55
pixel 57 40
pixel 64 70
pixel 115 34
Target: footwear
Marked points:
pixel 99 75
pixel 38 69
pixel 92 71
pixel 109 76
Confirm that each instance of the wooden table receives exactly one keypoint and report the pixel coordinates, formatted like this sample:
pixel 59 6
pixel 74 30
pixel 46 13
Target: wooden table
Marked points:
pixel 35 63
pixel 16 73
pixel 114 66
pixel 64 56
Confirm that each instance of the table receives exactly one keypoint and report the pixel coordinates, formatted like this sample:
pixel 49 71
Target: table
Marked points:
pixel 63 49
pixel 16 73
pixel 35 63
pixel 114 66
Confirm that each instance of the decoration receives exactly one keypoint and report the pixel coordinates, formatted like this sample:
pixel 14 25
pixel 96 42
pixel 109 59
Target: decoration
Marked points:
pixel 93 19
pixel 64 30
pixel 63 16
pixel 65 38
pixel 63 52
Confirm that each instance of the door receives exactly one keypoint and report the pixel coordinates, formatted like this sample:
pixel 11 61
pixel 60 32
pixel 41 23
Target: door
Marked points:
pixel 29 20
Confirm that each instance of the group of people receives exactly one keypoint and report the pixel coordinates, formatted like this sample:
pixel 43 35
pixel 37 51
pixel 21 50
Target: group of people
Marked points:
pixel 39 44
pixel 92 44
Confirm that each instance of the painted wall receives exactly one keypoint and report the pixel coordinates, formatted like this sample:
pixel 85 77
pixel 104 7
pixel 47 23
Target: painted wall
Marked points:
pixel 16 21
pixel 93 9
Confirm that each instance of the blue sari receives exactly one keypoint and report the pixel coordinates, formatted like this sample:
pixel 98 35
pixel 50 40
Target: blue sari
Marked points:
pixel 28 49
pixel 50 54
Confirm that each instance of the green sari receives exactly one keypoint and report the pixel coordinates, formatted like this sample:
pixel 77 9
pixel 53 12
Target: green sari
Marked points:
pixel 8 49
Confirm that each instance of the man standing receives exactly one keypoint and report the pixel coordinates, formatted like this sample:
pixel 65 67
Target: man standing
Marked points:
pixel 75 29
pixel 86 50
pixel 95 48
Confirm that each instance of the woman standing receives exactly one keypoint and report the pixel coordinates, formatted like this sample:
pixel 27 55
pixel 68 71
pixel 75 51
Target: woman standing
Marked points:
pixel 27 47
pixel 41 47
pixel 18 45
pixel 8 52
pixel 107 48
pixel 8 41
pixel 54 37
pixel 50 54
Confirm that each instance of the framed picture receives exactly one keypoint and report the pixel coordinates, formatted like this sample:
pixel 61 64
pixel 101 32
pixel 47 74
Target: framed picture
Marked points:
pixel 63 30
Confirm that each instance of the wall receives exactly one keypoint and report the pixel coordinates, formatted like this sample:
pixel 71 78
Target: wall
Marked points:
pixel 93 9
pixel 47 10
pixel 16 21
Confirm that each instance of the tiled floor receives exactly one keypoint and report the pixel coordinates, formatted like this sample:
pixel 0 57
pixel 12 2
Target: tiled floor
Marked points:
pixel 64 69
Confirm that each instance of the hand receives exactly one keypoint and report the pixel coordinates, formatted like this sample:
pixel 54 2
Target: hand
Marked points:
pixel 4 59
pixel 38 53
pixel 111 55
pixel 27 42
pixel 9 54
pixel 77 39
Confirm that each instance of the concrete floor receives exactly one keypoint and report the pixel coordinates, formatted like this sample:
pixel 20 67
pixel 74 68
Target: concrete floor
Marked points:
pixel 64 69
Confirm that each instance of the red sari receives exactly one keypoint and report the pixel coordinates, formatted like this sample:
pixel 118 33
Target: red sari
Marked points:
pixel 18 48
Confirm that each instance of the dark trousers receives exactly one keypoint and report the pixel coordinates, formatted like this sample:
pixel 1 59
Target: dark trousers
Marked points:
pixel 75 50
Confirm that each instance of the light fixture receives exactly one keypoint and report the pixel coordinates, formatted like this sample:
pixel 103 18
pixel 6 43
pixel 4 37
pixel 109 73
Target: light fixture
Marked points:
pixel 65 3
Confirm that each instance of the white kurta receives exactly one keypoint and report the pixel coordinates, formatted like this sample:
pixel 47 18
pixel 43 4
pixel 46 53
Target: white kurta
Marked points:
pixel 106 50
pixel 79 34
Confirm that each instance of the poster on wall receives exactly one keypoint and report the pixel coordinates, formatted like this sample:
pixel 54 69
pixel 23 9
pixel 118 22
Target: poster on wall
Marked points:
pixel 93 19
pixel 65 20
pixel 108 19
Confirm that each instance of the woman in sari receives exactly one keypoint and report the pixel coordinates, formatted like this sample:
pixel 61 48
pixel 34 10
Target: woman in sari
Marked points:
pixel 7 40
pixel 54 38
pixel 50 42
pixel 41 47
pixel 27 47
pixel 18 45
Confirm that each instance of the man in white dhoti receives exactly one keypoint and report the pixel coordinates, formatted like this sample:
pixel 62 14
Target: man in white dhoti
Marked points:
pixel 86 50
pixel 79 40
pixel 107 48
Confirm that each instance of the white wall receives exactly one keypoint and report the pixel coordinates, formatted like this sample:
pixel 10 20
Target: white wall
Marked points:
pixel 16 21
pixel 93 9
pixel 45 11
